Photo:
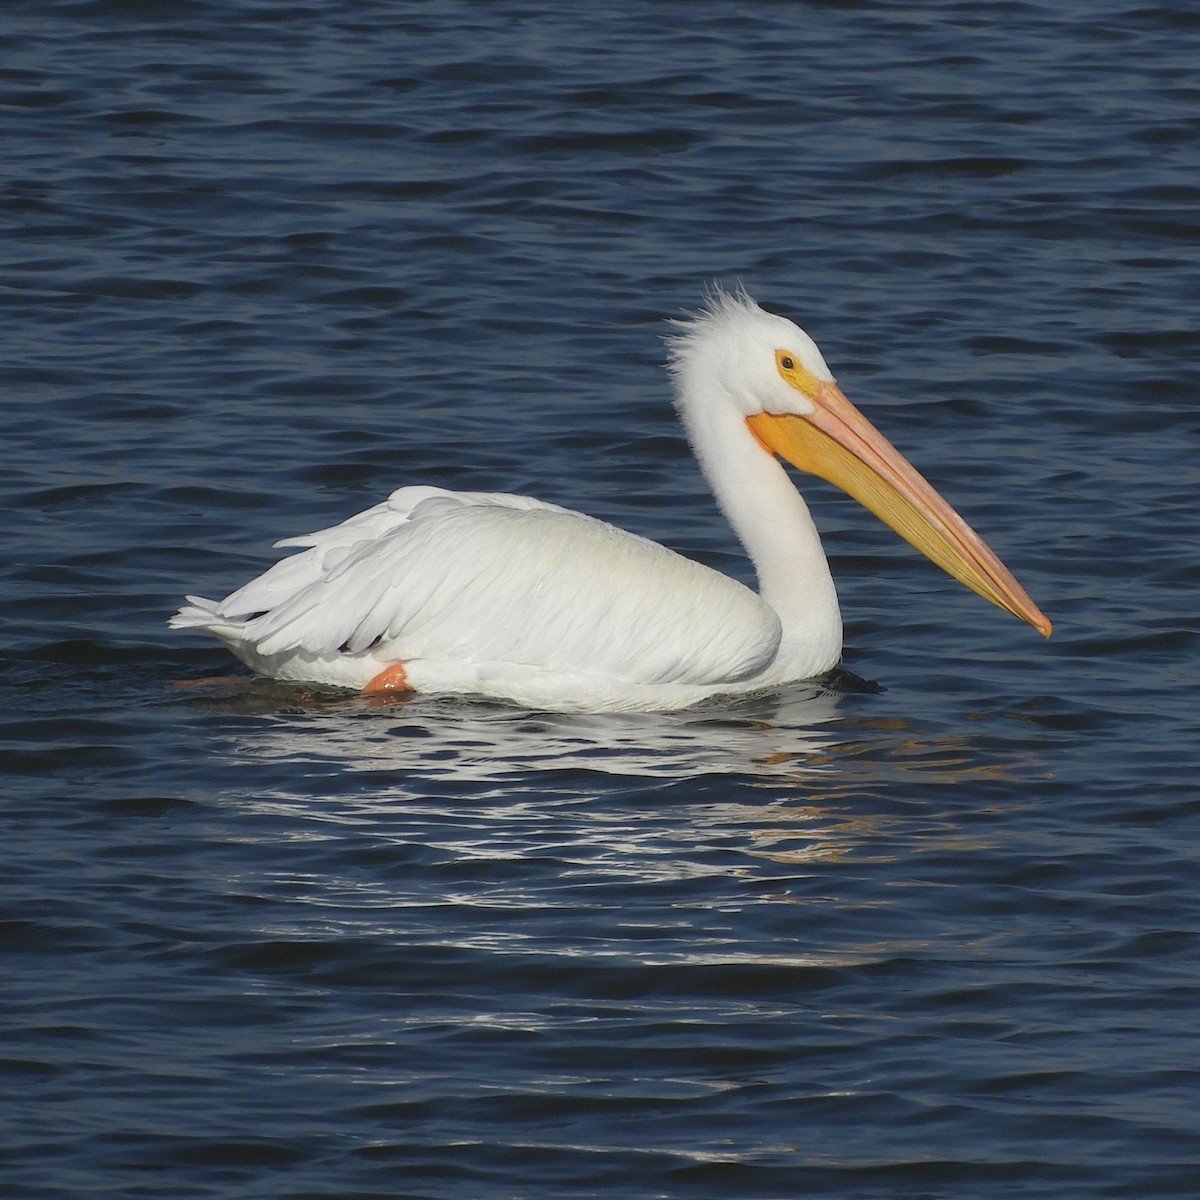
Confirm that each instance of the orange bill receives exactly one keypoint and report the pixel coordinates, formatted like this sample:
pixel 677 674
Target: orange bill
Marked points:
pixel 839 444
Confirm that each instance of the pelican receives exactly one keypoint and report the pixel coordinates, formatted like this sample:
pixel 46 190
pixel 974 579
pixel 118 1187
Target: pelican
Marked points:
pixel 514 599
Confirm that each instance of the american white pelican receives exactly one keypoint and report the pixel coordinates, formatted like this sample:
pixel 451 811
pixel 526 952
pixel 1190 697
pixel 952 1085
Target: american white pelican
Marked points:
pixel 481 593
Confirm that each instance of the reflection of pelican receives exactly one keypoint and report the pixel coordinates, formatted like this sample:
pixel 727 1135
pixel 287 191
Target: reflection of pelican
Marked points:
pixel 433 741
pixel 503 596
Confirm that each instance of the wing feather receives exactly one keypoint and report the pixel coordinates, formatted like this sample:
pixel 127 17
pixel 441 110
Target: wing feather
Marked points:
pixel 491 578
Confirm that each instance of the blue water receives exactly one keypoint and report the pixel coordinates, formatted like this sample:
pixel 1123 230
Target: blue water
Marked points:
pixel 263 263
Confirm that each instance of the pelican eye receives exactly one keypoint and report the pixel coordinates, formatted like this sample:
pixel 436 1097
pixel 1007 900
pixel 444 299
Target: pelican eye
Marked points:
pixel 794 375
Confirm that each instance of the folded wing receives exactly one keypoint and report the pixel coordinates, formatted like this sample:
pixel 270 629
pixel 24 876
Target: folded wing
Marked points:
pixel 491 578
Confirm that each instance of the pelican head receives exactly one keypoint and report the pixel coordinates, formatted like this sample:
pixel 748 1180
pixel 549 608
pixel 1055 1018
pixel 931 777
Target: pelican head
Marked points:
pixel 734 353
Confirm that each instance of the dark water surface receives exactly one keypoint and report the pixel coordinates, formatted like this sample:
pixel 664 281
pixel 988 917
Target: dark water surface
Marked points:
pixel 263 263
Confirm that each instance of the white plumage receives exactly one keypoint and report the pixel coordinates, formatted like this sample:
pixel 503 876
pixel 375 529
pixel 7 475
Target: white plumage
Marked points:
pixel 509 597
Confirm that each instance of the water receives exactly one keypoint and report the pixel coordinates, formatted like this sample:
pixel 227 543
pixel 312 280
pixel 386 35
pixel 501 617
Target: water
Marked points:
pixel 262 264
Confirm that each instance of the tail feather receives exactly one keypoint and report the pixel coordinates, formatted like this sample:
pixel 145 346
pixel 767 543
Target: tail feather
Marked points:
pixel 198 613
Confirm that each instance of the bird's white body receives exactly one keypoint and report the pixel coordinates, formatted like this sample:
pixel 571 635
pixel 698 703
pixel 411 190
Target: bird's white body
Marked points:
pixel 503 596
pixel 608 620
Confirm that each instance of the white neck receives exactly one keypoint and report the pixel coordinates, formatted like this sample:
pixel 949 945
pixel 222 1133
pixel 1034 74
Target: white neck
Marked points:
pixel 774 525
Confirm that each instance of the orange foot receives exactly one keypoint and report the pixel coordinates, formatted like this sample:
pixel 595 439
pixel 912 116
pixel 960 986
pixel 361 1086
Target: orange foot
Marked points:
pixel 390 679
